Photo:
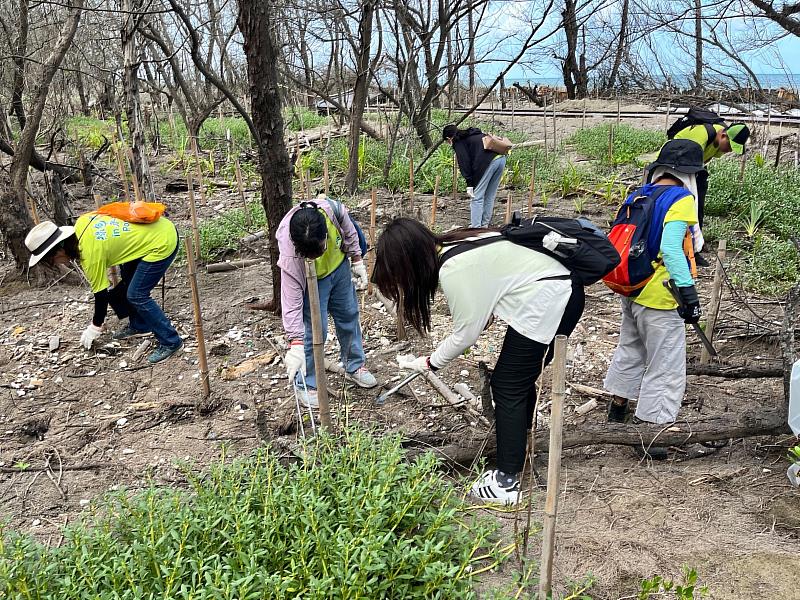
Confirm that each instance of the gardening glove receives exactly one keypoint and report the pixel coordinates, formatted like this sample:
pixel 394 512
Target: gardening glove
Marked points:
pixel 471 192
pixel 360 275
pixel 690 311
pixel 295 359
pixel 90 334
pixel 411 363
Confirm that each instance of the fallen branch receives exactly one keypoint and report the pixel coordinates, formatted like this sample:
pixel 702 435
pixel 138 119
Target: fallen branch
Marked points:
pixel 734 372
pixel 233 265
pixel 86 467
pixel 763 421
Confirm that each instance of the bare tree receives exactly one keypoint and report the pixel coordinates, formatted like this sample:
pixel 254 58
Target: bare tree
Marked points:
pixel 15 221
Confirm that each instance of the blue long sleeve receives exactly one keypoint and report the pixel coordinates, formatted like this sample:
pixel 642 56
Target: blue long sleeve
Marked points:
pixel 672 253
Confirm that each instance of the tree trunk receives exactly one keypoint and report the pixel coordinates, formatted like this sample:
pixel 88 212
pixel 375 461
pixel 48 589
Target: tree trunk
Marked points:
pixel 473 90
pixel 256 21
pixel 698 46
pixel 359 93
pixel 140 166
pixel 15 221
pixel 21 51
pixel 623 33
pixel 569 67
pixel 81 92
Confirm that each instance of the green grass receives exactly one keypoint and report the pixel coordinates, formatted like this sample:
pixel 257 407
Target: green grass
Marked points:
pixel 224 232
pixel 299 119
pixel 350 519
pixel 628 143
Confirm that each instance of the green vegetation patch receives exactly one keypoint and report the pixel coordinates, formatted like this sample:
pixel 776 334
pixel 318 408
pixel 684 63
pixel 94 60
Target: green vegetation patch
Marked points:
pixel 628 143
pixel 350 519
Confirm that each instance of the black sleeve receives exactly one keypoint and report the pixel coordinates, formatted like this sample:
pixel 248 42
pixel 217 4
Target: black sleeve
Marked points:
pixel 100 307
pixel 464 161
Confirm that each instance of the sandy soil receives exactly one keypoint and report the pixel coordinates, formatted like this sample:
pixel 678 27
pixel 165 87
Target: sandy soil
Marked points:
pixel 730 514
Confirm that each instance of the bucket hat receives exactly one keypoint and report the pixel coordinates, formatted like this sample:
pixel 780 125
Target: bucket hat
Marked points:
pixel 684 156
pixel 42 238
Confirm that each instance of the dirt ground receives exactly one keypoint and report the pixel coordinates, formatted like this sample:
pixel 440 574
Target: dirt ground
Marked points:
pixel 74 424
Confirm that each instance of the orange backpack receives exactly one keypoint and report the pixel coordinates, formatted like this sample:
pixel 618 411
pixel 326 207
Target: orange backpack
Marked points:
pixel 133 212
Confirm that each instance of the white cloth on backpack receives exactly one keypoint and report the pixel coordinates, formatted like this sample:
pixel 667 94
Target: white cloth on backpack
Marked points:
pixel 690 183
pixel 649 362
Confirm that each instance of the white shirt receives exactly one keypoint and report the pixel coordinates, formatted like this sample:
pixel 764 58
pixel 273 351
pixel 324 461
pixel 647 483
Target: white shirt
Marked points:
pixel 503 279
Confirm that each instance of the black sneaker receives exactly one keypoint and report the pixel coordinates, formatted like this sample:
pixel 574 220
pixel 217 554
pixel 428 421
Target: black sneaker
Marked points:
pixel 128 332
pixel 617 413
pixel 700 261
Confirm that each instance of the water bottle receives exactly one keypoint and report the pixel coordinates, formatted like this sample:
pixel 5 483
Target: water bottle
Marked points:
pixel 794 399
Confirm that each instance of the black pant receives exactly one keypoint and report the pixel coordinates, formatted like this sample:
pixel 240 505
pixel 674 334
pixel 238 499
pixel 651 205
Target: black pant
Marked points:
pixel 702 188
pixel 514 384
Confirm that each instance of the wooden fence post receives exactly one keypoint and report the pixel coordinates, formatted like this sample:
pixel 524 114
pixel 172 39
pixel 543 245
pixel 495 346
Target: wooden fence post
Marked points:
pixel 553 466
pixel 319 350
pixel 202 358
pixel 435 202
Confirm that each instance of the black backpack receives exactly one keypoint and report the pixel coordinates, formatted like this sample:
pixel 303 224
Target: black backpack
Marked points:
pixel 578 244
pixel 696 116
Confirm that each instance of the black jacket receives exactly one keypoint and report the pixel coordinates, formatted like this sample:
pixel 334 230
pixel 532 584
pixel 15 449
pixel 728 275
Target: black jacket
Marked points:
pixel 473 160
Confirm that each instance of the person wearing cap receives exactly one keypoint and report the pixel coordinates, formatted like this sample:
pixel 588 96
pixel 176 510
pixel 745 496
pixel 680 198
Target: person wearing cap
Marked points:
pixel 323 232
pixel 481 168
pixel 649 363
pixel 715 140
pixel 143 253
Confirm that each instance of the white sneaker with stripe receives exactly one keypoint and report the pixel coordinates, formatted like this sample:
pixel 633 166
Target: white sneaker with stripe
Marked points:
pixel 489 489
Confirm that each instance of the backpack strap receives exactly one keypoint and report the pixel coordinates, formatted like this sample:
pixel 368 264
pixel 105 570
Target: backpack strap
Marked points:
pixel 460 247
pixel 711 131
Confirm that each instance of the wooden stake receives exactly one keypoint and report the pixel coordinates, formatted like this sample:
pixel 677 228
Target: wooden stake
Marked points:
pixel 509 201
pixel 553 465
pixel 583 118
pixel 619 109
pixel 372 209
pixel 123 173
pixel 319 350
pixel 435 202
pixel 240 186
pixel 778 152
pixel 193 215
pixel 31 201
pixel 555 133
pixel 532 188
pixel 325 176
pixel 308 184
pixel 544 120
pixel 200 180
pixel 611 145
pixel 666 116
pixel 202 357
pixel 455 179
pixel 713 305
pixel 137 192
pixel 401 326
pixel 411 183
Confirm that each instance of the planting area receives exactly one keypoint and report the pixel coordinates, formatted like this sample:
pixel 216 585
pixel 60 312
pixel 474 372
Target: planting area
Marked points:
pixel 223 494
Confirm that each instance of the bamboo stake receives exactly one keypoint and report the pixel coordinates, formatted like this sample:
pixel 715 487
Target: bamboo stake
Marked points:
pixel 532 188
pixel 435 202
pixel 544 120
pixel 583 118
pixel 319 350
pixel 123 174
pixel 301 177
pixel 411 183
pixel 611 145
pixel 666 116
pixel 137 192
pixel 553 466
pixel 202 357
pixel 509 201
pixel 619 109
pixel 778 152
pixel 308 184
pixel 200 180
pixel 372 210
pixel 713 306
pixel 240 186
pixel 455 179
pixel 31 200
pixel 193 215
pixel 555 133
pixel 325 176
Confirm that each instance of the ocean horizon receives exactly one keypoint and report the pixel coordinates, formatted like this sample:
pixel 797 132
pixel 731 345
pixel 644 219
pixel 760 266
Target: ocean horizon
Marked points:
pixel 767 80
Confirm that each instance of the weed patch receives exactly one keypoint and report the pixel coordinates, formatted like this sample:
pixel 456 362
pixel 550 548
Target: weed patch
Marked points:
pixel 350 519
pixel 628 143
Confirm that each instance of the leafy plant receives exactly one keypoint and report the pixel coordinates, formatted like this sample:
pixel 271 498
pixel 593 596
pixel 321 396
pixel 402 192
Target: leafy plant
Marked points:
pixel 659 587
pixel 351 518
pixel 570 180
pixel 753 218
pixel 579 202
pixel 628 143
pixel 794 454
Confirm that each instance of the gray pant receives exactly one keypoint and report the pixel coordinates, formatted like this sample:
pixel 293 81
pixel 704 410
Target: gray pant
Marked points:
pixel 650 362
pixel 482 204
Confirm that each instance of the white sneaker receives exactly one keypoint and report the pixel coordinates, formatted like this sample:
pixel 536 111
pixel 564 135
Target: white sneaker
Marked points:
pixel 308 396
pixel 489 489
pixel 362 378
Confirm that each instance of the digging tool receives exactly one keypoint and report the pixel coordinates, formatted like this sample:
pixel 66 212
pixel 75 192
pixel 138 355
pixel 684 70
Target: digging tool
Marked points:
pixel 382 398
pixel 310 410
pixel 673 289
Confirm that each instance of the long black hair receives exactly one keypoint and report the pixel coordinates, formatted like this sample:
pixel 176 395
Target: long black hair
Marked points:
pixel 407 266
pixel 308 230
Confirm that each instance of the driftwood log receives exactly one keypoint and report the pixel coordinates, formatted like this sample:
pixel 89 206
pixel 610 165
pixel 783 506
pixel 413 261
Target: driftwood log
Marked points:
pixel 233 265
pixel 764 421
pixel 734 371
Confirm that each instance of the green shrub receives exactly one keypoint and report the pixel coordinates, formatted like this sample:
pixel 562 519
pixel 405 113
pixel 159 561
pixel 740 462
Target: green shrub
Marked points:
pixel 771 267
pixel 351 519
pixel 628 142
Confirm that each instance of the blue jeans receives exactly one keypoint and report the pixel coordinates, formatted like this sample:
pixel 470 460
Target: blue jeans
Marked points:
pixel 480 210
pixel 337 296
pixel 144 313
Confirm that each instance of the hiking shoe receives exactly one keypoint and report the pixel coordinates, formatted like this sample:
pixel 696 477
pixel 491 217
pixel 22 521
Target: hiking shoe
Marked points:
pixel 490 490
pixel 127 332
pixel 163 353
pixel 700 261
pixel 307 396
pixel 617 412
pixel 362 378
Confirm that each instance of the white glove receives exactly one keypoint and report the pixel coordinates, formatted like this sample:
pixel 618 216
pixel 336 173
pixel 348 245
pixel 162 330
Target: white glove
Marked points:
pixel 471 192
pixel 412 363
pixel 360 275
pixel 90 334
pixel 295 360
